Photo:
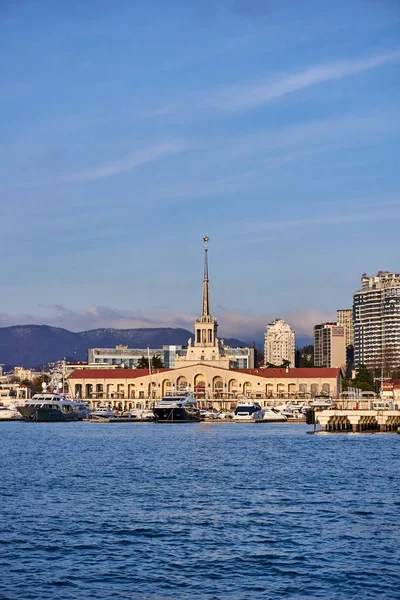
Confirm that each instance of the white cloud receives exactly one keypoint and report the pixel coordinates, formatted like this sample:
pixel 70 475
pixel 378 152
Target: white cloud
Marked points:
pixel 252 95
pixel 128 163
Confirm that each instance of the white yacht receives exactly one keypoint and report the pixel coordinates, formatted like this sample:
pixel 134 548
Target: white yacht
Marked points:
pixel 291 411
pixel 245 411
pixel 103 412
pixel 269 415
pixel 141 414
pixel 10 413
pixel 322 402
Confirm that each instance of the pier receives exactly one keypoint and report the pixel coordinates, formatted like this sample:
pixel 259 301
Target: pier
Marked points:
pixel 358 420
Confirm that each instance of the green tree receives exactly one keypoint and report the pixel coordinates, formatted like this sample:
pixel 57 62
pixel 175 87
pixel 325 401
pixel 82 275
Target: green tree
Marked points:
pixel 143 363
pixel 305 356
pixel 364 379
pixel 156 362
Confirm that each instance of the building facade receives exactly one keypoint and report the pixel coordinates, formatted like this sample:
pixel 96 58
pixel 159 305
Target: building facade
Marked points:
pixel 120 355
pixel 241 358
pixel 376 318
pixel 345 318
pixel 279 343
pixel 329 345
pixel 137 388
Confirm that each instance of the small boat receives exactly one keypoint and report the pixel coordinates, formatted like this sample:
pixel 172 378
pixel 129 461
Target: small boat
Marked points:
pixel 208 415
pixel 322 402
pixel 10 413
pixel 103 412
pixel 269 415
pixel 143 414
pixel 83 409
pixel 47 407
pixel 177 409
pixel 291 411
pixel 245 411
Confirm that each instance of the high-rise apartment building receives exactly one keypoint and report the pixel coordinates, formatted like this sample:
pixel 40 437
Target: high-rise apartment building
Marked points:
pixel 376 319
pixel 345 318
pixel 279 342
pixel 329 345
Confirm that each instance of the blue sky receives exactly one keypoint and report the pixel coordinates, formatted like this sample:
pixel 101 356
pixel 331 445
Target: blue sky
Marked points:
pixel 132 129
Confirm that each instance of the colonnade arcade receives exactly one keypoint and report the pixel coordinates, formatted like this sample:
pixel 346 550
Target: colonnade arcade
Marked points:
pixel 203 389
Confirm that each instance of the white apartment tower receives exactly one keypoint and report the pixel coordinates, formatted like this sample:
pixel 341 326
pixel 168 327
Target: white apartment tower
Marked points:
pixel 345 318
pixel 376 318
pixel 279 342
pixel 329 345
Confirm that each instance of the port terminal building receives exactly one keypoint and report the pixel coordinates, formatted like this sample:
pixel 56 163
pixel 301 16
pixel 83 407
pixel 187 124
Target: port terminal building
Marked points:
pixel 206 370
pixel 210 384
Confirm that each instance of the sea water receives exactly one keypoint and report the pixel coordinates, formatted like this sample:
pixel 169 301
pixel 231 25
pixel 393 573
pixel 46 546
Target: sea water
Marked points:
pixel 203 511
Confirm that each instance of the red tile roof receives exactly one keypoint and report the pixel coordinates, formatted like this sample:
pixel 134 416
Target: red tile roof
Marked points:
pixel 112 373
pixel 302 373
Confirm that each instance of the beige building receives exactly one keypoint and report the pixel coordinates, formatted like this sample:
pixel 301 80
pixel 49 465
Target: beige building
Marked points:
pixel 28 374
pixel 279 343
pixel 345 318
pixel 211 385
pixel 329 345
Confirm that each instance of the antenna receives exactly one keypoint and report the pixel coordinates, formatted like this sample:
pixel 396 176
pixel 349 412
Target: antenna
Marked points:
pixel 206 299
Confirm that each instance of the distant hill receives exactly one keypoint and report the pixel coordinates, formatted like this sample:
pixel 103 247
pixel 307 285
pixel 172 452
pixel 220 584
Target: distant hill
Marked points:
pixel 34 345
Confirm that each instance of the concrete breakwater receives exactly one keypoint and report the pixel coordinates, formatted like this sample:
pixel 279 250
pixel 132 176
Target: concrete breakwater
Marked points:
pixel 358 420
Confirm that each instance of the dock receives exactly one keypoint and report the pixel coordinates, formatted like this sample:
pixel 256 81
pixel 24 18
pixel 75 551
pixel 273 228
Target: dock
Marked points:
pixel 358 420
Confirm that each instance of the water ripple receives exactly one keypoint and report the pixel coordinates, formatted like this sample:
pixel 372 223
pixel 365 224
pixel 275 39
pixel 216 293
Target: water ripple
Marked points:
pixel 221 513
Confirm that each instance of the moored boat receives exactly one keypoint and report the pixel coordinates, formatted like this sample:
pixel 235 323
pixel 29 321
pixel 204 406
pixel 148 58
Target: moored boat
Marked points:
pixel 47 407
pixel 269 415
pixel 177 409
pixel 245 411
pixel 103 412
pixel 9 413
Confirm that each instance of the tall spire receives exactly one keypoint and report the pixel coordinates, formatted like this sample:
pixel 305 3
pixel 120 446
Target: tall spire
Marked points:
pixel 206 299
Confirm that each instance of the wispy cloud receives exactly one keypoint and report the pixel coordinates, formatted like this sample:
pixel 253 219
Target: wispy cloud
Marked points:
pixel 252 95
pixel 251 227
pixel 125 164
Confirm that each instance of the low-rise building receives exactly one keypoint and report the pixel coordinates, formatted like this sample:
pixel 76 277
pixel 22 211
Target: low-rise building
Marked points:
pixel 120 355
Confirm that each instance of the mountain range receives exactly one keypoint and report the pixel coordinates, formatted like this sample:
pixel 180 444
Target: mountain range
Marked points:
pixel 32 346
